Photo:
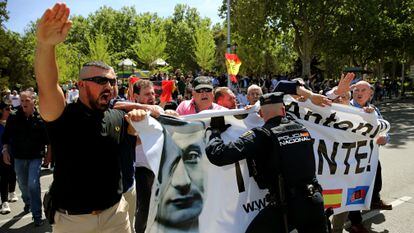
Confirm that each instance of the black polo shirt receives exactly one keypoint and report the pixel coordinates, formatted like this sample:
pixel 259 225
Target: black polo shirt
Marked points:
pixel 26 136
pixel 86 148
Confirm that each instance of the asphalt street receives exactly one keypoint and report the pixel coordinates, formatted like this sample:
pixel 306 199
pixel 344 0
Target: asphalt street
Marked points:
pixel 397 160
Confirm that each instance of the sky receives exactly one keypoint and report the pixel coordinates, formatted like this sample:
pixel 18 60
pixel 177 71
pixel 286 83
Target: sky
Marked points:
pixel 21 12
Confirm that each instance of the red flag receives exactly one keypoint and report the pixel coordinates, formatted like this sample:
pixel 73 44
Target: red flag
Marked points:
pixel 167 90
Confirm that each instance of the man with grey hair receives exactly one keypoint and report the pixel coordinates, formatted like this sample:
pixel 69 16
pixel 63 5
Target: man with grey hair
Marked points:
pixel 253 93
pixel 24 140
pixel 362 94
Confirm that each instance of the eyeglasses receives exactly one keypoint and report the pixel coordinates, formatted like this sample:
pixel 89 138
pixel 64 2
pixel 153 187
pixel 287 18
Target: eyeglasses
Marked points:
pixel 204 90
pixel 101 80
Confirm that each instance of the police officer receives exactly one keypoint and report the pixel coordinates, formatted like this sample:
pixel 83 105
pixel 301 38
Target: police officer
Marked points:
pixel 280 157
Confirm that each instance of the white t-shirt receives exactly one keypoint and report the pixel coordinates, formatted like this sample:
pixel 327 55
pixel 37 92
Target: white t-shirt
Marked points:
pixel 73 95
pixel 15 100
pixel 140 158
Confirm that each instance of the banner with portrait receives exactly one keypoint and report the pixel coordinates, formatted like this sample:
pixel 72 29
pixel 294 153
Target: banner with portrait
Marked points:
pixel 192 195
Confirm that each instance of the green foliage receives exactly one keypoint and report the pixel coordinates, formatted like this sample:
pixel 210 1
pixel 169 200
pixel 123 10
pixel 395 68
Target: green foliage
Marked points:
pixel 99 48
pixel 204 46
pixel 68 61
pixel 16 60
pixel 3 12
pixel 271 36
pixel 151 44
pixel 180 29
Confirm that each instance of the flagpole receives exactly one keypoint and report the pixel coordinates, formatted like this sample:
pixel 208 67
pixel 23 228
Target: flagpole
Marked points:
pixel 228 39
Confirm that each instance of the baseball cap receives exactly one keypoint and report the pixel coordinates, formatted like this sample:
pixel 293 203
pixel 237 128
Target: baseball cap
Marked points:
pixel 202 82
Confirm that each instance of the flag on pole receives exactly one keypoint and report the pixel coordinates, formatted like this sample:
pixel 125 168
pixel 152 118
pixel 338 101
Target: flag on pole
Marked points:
pixel 233 64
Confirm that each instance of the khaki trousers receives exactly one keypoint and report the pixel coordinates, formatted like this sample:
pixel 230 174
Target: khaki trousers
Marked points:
pixel 131 198
pixel 114 219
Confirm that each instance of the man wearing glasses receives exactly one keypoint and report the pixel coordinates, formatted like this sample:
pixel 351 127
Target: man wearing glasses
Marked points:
pixel 203 98
pixel 86 192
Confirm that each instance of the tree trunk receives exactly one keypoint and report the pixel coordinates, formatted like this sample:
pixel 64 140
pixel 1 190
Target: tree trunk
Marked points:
pixel 402 80
pixel 306 54
pixel 394 68
pixel 306 65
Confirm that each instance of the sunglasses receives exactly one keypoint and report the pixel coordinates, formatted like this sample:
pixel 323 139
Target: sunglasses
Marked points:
pixel 204 90
pixel 101 80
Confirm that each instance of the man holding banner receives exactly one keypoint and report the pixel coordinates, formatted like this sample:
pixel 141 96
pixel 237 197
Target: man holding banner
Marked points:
pixel 295 199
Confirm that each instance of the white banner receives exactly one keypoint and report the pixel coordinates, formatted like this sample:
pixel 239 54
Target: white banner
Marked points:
pixel 192 195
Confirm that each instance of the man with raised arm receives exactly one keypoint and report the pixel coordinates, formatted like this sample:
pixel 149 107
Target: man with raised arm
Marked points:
pixel 87 190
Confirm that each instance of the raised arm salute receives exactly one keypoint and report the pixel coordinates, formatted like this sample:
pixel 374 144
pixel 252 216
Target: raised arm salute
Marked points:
pixel 87 177
pixel 52 29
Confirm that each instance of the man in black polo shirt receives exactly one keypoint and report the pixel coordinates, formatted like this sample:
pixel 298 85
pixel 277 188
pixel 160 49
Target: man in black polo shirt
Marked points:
pixel 87 187
pixel 24 140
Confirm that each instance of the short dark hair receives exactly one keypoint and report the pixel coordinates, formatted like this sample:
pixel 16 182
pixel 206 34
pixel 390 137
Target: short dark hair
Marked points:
pixel 220 92
pixel 140 85
pixel 99 64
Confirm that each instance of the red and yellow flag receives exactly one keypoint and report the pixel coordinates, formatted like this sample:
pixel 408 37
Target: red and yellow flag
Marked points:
pixel 332 198
pixel 233 64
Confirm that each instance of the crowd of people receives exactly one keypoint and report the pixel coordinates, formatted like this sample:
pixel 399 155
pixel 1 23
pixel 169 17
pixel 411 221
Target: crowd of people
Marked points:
pixel 114 179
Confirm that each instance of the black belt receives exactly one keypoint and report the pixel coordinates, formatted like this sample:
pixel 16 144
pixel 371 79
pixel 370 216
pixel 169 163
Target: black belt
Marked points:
pixel 79 212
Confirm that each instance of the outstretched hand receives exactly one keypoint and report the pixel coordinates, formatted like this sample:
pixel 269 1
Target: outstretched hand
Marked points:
pixel 54 25
pixel 320 100
pixel 344 84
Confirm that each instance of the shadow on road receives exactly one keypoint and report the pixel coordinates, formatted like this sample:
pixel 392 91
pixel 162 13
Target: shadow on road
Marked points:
pixel 401 117
pixel 29 228
pixel 378 219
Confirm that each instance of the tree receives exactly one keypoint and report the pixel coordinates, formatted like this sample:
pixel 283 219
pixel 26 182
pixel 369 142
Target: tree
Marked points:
pixel 204 48
pixel 99 48
pixel 307 19
pixel 67 58
pixel 151 44
pixel 3 12
pixel 180 29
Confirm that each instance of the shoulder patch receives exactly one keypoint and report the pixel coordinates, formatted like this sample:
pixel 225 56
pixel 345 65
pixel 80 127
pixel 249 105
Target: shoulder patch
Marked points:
pixel 248 134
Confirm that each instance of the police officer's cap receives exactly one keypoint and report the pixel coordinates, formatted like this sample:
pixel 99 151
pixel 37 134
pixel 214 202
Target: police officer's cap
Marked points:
pixel 271 98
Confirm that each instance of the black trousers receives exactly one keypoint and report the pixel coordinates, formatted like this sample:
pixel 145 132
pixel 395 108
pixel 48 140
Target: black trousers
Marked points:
pixel 144 178
pixel 355 216
pixel 303 214
pixel 7 180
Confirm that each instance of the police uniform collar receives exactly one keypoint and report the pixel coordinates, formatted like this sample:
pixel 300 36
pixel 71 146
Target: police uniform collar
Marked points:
pixel 275 120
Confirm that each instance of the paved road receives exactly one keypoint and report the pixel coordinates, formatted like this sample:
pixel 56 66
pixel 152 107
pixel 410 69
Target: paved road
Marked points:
pixel 397 159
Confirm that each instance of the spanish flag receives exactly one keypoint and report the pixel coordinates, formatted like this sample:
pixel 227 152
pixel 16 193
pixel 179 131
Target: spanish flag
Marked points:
pixel 332 198
pixel 233 64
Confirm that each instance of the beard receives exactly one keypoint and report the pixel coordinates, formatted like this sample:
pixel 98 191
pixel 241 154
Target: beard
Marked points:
pixel 101 103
